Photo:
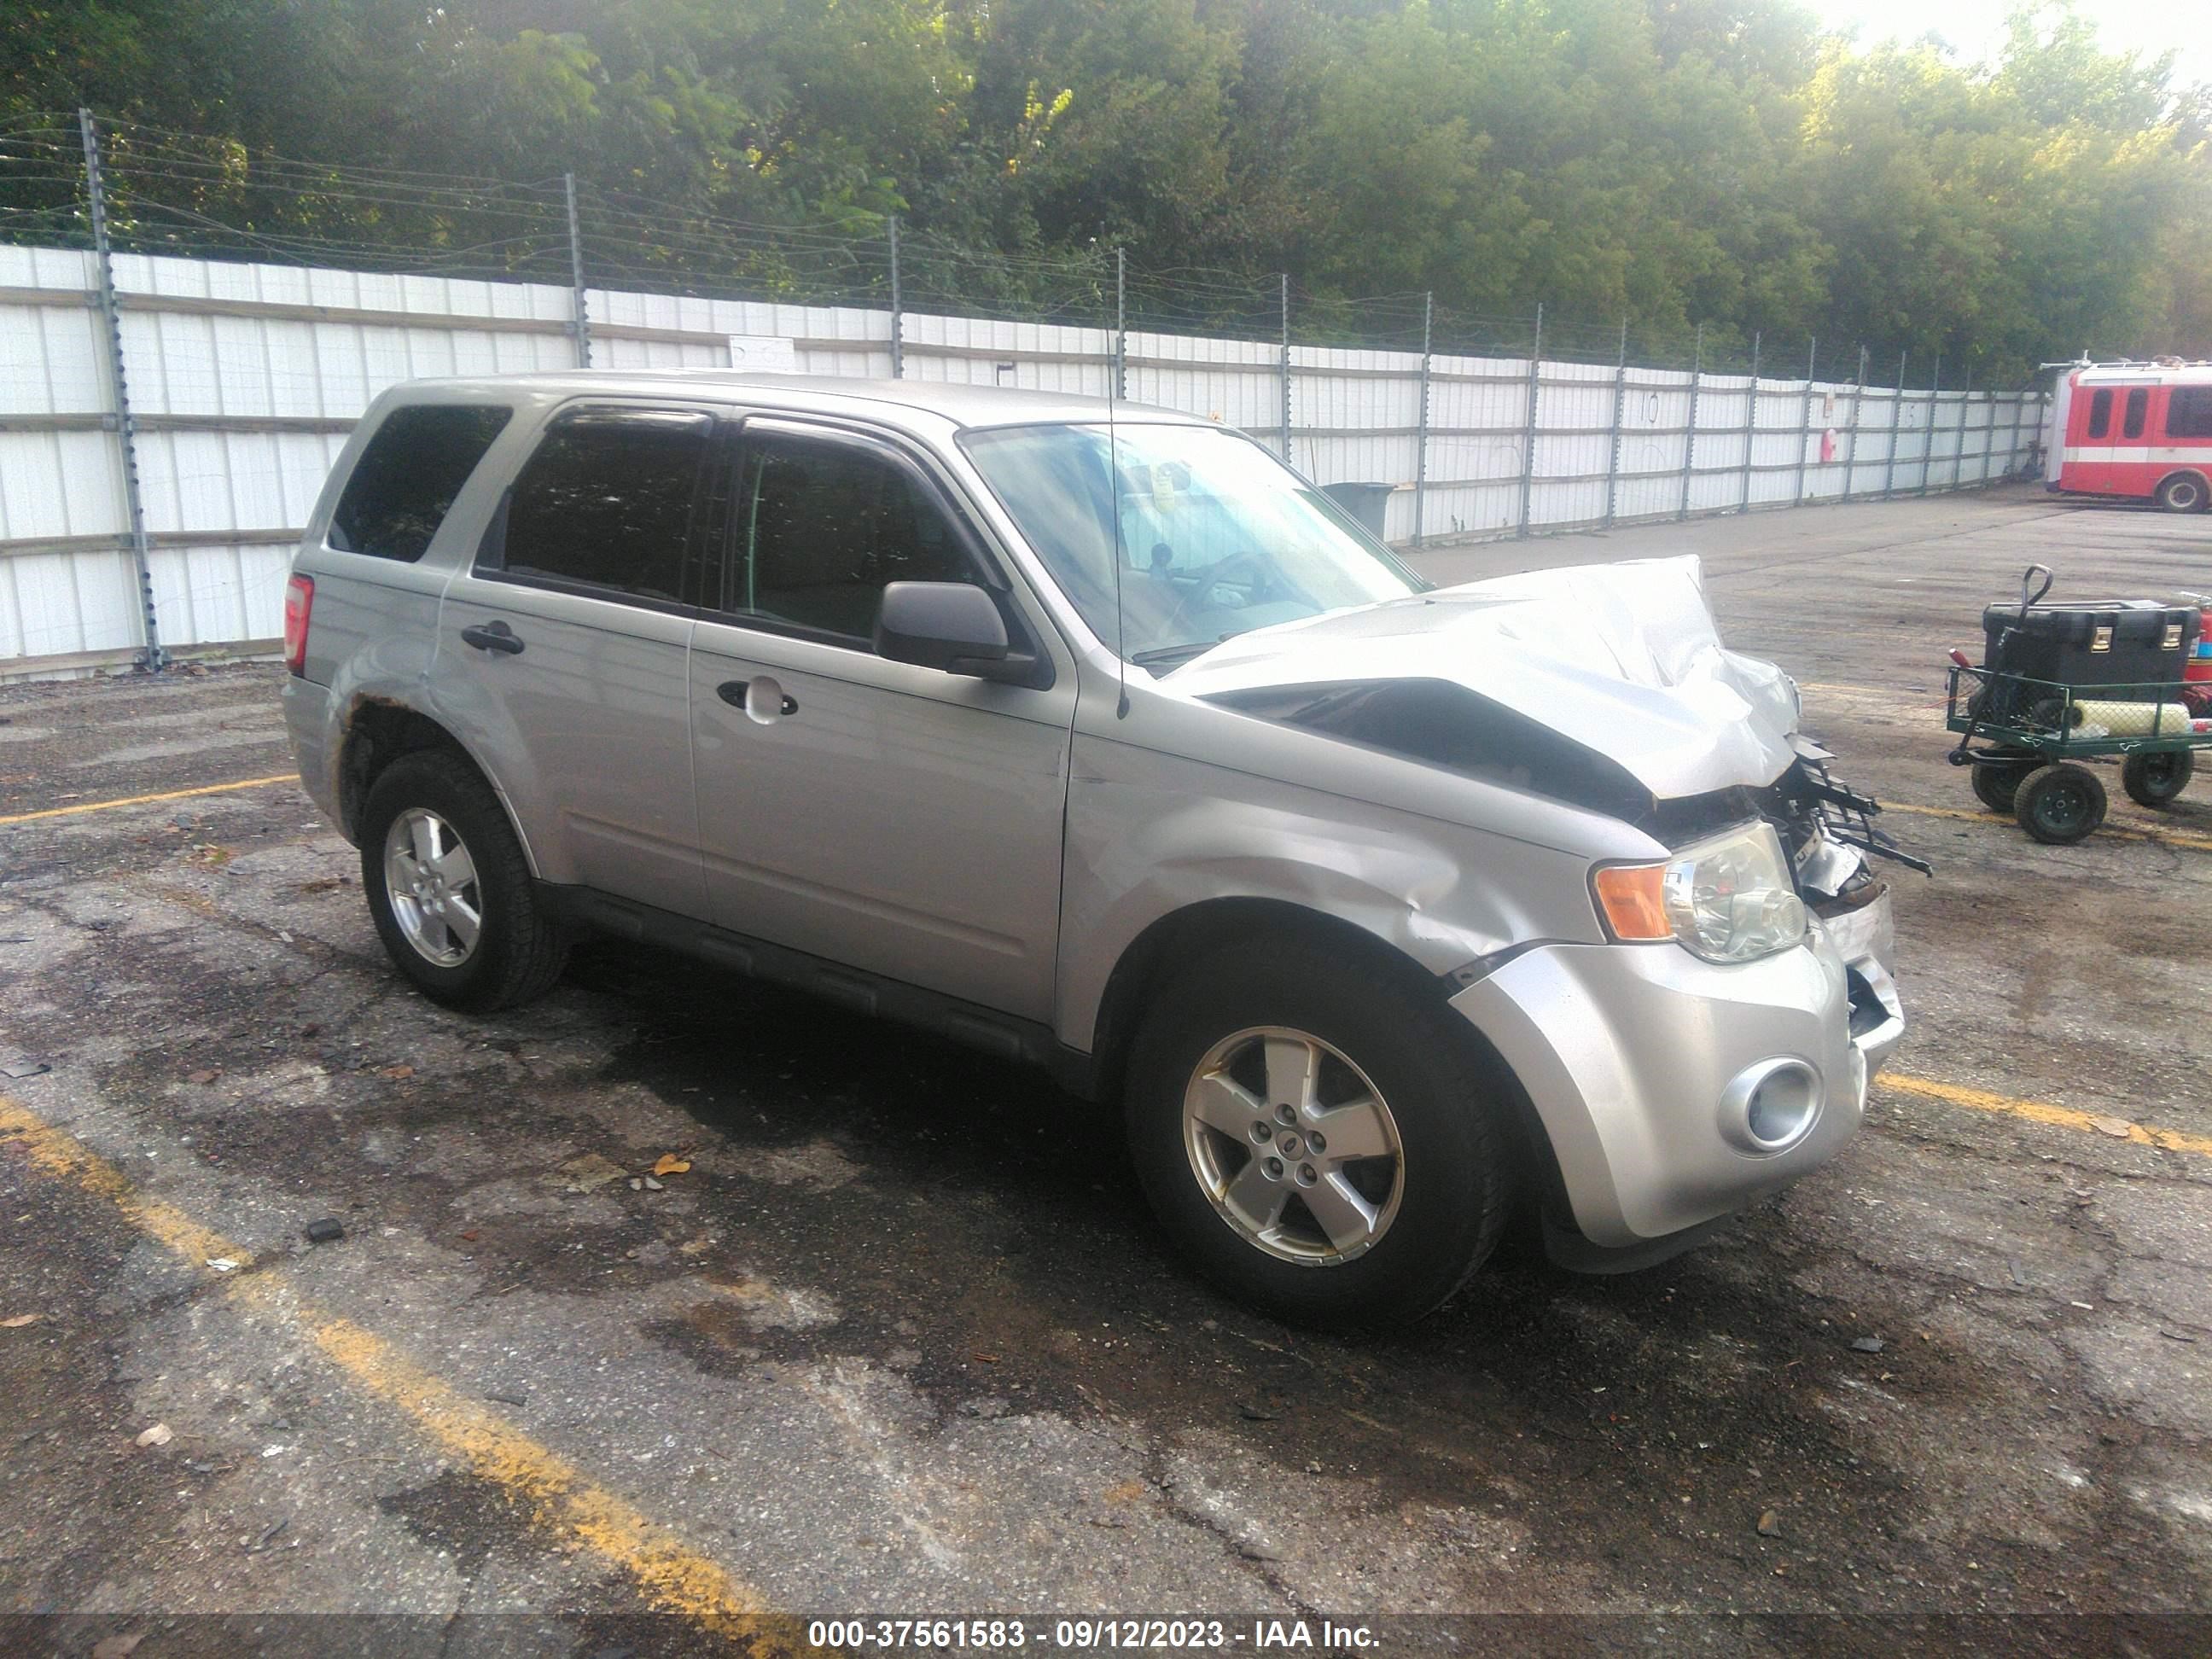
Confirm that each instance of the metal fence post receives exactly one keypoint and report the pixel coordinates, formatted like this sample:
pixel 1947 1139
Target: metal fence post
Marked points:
pixel 1805 415
pixel 1620 413
pixel 898 317
pixel 1896 409
pixel 1421 435
pixel 1959 464
pixel 1528 435
pixel 151 657
pixel 1120 322
pixel 1750 421
pixel 1858 409
pixel 580 326
pixel 1989 438
pixel 1927 443
pixel 1286 364
pixel 2012 443
pixel 1690 438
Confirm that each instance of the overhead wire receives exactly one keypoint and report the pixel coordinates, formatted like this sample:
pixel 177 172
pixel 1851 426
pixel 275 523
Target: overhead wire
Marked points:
pixel 175 190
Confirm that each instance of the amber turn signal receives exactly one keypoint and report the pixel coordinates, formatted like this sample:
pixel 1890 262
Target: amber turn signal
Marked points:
pixel 1631 897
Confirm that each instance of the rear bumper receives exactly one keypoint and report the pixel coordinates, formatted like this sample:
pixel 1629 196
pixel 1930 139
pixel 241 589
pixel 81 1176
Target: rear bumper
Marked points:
pixel 311 726
pixel 1635 1056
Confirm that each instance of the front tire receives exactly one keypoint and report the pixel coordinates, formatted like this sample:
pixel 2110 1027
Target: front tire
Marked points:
pixel 1262 1046
pixel 2061 805
pixel 449 889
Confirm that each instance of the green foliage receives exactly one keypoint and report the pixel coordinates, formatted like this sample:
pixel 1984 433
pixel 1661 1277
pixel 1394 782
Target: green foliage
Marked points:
pixel 1671 162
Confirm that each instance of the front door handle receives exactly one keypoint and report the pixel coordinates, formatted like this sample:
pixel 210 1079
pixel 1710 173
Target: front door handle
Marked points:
pixel 740 694
pixel 493 636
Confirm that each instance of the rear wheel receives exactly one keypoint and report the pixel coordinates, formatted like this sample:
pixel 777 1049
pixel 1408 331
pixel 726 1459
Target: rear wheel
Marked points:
pixel 448 887
pixel 2154 779
pixel 2184 492
pixel 1996 783
pixel 1321 1140
pixel 2060 805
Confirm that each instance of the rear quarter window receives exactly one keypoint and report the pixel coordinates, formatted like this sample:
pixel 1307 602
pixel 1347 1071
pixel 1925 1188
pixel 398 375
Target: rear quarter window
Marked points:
pixel 405 481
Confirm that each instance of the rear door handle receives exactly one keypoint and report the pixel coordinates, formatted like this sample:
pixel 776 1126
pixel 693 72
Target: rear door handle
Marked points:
pixel 493 636
pixel 738 695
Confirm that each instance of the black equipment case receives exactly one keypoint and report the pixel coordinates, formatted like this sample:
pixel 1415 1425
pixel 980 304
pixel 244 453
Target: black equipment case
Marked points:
pixel 2133 650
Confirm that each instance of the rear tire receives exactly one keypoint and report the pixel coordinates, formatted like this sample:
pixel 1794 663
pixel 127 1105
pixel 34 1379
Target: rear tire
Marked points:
pixel 1997 783
pixel 449 889
pixel 2154 779
pixel 2061 805
pixel 1336 1236
pixel 2184 492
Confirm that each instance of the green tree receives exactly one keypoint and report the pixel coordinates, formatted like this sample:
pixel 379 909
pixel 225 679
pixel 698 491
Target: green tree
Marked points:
pixel 1676 162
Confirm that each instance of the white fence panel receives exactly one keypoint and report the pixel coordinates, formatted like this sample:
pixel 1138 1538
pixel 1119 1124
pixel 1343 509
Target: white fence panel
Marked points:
pixel 1777 441
pixel 1237 382
pixel 1477 419
pixel 1573 451
pixel 1654 443
pixel 245 381
pixel 65 586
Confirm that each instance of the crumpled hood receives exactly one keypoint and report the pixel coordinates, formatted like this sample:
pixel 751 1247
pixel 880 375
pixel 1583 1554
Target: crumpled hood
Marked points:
pixel 1623 658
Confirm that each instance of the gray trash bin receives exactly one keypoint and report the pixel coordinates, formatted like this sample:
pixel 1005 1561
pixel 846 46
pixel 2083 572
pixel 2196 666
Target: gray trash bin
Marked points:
pixel 1364 501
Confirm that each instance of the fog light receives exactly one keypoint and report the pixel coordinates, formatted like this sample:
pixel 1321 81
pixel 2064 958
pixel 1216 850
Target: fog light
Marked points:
pixel 1770 1107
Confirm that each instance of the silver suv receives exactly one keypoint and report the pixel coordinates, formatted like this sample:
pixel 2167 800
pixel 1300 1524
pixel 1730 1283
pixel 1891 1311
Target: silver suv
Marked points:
pixel 1095 737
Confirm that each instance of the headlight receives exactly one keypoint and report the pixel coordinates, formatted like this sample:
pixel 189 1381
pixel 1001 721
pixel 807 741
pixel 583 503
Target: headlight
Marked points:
pixel 1729 899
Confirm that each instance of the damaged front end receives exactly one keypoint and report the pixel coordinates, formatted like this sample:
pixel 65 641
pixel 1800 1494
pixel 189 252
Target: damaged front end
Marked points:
pixel 1828 831
pixel 1607 687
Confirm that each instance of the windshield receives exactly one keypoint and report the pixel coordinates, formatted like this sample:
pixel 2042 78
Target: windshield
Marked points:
pixel 1215 537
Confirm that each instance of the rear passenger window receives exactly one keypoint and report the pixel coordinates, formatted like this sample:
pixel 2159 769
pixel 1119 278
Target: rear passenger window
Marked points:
pixel 821 525
pixel 2101 414
pixel 408 474
pixel 2138 411
pixel 2189 412
pixel 606 501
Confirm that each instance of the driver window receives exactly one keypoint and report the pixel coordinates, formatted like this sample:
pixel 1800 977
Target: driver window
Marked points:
pixel 823 525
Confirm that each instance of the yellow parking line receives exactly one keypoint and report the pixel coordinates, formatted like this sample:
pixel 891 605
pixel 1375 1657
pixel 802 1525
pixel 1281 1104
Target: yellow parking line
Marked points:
pixel 146 801
pixel 2041 1111
pixel 2128 831
pixel 1889 694
pixel 667 1573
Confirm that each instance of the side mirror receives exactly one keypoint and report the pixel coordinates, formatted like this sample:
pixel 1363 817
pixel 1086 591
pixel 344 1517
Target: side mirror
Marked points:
pixel 954 627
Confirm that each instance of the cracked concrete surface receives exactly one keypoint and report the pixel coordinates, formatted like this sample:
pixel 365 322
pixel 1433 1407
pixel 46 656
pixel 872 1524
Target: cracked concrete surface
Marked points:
pixel 902 1338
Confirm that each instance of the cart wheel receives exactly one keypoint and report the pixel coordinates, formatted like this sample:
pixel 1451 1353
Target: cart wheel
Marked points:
pixel 1996 782
pixel 2154 779
pixel 2060 805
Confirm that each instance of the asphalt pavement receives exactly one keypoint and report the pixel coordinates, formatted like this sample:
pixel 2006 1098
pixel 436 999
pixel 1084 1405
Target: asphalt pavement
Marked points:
pixel 676 1309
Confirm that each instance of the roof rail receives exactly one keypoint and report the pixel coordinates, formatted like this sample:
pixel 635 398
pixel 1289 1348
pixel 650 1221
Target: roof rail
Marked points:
pixel 2166 361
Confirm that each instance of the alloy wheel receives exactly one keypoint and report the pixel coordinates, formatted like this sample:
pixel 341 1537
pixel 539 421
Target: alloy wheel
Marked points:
pixel 431 881
pixel 1294 1146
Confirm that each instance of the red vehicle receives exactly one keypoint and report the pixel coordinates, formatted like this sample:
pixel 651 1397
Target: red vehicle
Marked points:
pixel 2137 429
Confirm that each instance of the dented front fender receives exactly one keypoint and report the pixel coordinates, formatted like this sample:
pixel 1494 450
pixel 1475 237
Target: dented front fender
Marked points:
pixel 1151 834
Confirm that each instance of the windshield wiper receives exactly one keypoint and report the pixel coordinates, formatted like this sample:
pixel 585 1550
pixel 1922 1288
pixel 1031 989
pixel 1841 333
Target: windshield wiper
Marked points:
pixel 1174 656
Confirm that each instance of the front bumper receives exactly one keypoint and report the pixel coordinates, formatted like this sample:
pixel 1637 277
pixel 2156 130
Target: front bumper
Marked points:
pixel 1628 1051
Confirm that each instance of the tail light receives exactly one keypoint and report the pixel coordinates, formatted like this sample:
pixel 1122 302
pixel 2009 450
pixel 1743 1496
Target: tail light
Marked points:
pixel 299 601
